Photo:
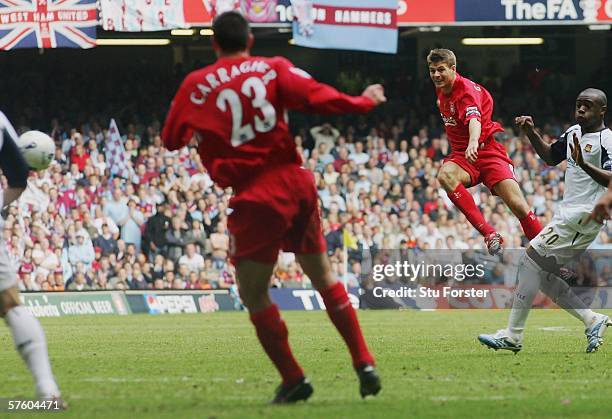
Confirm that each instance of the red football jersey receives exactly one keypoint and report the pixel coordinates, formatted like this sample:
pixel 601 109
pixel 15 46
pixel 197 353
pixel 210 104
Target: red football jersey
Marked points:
pixel 238 107
pixel 468 100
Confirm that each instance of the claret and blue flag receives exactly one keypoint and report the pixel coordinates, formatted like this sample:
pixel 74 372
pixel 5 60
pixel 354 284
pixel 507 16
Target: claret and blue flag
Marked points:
pixel 365 25
pixel 48 24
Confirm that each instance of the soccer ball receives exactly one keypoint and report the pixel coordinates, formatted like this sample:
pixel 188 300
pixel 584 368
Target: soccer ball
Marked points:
pixel 38 149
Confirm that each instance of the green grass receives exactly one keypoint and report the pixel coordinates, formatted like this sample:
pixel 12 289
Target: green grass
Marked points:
pixel 211 366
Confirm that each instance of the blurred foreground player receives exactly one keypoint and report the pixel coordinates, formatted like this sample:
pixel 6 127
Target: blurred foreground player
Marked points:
pixel 587 147
pixel 238 109
pixel 27 334
pixel 476 157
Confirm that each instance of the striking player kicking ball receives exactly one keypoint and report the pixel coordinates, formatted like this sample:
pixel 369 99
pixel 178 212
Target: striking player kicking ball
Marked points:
pixel 27 334
pixel 238 109
pixel 587 147
pixel 466 109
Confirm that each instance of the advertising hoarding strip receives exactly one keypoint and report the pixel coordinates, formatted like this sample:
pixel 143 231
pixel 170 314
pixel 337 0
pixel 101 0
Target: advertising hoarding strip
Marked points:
pixel 56 304
pixel 457 12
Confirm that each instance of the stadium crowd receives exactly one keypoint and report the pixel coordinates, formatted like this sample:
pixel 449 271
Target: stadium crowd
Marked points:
pixel 77 228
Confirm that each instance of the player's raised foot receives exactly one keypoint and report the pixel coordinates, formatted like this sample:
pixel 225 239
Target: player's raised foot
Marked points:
pixel 595 333
pixel 501 340
pixel 369 381
pixel 292 394
pixel 494 243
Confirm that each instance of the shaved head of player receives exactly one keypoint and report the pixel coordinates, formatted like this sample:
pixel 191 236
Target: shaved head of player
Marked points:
pixel 591 108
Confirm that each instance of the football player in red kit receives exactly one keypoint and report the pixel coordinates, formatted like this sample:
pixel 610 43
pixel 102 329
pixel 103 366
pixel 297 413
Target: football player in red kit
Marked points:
pixel 237 107
pixel 466 109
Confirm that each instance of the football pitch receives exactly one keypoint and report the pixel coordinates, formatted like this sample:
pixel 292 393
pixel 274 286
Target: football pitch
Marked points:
pixel 211 366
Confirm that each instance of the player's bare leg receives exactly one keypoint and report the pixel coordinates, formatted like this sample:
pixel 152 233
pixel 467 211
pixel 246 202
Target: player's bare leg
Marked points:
pixel 343 316
pixel 31 344
pixel 510 192
pixel 537 273
pixel 451 175
pixel 454 181
pixel 253 283
pixel 562 294
pixel 529 277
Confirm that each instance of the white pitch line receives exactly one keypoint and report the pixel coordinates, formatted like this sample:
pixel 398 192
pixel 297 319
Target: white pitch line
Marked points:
pixel 154 379
pixel 555 329
pixel 473 398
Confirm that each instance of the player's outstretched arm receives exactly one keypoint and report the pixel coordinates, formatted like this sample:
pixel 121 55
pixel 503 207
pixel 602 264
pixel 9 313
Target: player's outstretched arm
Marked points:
pixel 14 167
pixel 300 92
pixel 376 93
pixel 527 126
pixel 177 129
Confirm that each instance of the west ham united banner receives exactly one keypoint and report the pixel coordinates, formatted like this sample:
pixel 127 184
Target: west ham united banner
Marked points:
pixel 365 25
pixel 48 24
pixel 142 15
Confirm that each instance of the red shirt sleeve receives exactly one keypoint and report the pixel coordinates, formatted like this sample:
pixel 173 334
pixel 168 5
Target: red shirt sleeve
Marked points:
pixel 300 92
pixel 177 131
pixel 470 103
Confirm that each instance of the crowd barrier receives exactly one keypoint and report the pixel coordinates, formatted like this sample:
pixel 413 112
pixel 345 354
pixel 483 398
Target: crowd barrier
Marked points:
pixel 56 304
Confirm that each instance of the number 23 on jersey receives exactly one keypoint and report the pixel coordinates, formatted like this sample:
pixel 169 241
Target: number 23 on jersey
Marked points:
pixel 254 89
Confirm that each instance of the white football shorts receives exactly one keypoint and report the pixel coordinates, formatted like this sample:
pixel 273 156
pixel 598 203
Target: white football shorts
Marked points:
pixel 566 237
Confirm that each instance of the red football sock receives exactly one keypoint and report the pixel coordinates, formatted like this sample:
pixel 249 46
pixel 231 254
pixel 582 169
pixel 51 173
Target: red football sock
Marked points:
pixel 274 337
pixel 464 201
pixel 343 316
pixel 531 225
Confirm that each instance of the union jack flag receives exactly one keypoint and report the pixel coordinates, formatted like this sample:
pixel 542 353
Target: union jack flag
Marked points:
pixel 48 24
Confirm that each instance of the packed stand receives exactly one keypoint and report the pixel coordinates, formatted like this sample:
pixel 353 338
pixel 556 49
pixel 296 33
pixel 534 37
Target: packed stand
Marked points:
pixel 77 229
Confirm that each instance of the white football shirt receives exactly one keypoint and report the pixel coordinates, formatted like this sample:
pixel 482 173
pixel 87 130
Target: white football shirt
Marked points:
pixel 581 191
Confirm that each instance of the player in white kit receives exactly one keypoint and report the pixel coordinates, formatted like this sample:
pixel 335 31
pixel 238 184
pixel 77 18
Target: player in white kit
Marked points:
pixel 587 147
pixel 27 333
